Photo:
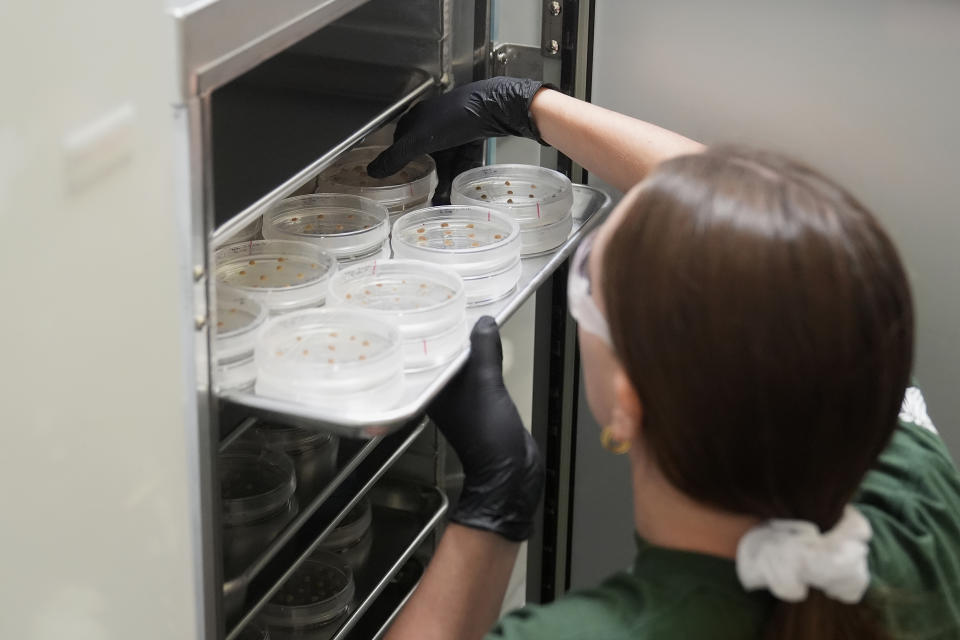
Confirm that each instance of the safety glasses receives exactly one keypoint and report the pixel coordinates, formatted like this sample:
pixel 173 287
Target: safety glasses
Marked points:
pixel 579 299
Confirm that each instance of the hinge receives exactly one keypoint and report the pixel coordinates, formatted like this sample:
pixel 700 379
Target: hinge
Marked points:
pixel 517 61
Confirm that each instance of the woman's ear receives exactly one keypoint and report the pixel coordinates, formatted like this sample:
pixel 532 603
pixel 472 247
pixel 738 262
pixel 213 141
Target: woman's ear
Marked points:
pixel 627 420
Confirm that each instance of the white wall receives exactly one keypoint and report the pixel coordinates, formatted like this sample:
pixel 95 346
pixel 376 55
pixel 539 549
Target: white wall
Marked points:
pixel 96 511
pixel 866 90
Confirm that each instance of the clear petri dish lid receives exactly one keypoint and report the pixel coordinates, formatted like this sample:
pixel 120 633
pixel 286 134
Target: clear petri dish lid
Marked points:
pixel 320 590
pixel 532 195
pixel 351 528
pixel 254 483
pixel 291 438
pixel 239 317
pixel 280 274
pixel 421 298
pixel 348 226
pixel 329 350
pixel 414 183
pixel 473 240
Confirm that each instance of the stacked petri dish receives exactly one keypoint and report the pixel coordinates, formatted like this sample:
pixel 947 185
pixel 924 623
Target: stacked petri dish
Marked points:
pixel 283 275
pixel 352 538
pixel 239 317
pixel 349 361
pixel 482 244
pixel 410 188
pixel 539 199
pixel 257 488
pixel 313 603
pixel 350 227
pixel 314 454
pixel 426 302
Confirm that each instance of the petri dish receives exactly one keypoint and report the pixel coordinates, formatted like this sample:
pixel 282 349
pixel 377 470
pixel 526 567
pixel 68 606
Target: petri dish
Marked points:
pixel 313 602
pixel 350 227
pixel 257 486
pixel 352 539
pixel 238 318
pixel 314 454
pixel 482 244
pixel 536 197
pixel 410 188
pixel 282 275
pixel 426 302
pixel 345 359
pixel 250 232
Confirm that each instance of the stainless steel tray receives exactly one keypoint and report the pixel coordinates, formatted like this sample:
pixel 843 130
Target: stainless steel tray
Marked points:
pixel 245 594
pixel 590 206
pixel 387 606
pixel 404 515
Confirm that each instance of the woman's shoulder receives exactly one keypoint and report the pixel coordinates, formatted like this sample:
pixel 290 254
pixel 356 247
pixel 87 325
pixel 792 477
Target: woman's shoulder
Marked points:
pixel 628 606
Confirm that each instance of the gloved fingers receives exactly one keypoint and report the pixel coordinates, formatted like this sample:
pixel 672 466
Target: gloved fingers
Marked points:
pixel 393 158
pixel 486 349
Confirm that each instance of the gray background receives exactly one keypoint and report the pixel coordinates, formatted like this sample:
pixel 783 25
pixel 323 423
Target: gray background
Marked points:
pixel 866 90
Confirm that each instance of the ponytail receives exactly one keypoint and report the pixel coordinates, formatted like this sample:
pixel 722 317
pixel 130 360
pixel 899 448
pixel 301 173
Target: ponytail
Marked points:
pixel 822 618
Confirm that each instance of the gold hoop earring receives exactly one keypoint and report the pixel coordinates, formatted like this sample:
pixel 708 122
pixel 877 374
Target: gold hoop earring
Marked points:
pixel 612 445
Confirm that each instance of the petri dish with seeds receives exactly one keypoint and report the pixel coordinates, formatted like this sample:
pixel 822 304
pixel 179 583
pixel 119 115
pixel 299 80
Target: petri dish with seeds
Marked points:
pixel 539 199
pixel 282 275
pixel 348 361
pixel 238 318
pixel 426 302
pixel 313 602
pixel 410 188
pixel 257 488
pixel 350 227
pixel 352 538
pixel 482 244
pixel 314 454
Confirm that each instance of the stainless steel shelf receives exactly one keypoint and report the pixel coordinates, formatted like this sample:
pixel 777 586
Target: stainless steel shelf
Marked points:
pixel 245 594
pixel 404 515
pixel 381 614
pixel 590 206
pixel 280 125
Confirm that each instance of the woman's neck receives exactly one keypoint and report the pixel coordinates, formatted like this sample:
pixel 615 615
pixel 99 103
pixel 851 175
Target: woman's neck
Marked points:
pixel 665 517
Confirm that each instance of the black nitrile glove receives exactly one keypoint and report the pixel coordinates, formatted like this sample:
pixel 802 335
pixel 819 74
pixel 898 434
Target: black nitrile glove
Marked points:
pixel 483 109
pixel 502 466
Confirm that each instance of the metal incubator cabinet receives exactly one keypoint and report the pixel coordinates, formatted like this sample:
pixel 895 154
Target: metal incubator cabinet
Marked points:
pixel 272 94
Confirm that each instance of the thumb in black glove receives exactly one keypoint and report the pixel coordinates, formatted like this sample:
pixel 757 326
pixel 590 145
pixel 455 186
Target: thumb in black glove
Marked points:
pixel 484 109
pixel 502 466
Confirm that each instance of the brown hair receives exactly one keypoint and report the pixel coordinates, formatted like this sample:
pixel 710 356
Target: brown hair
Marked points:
pixel 765 321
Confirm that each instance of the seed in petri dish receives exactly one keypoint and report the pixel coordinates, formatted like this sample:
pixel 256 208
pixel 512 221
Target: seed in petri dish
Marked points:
pixel 306 352
pixel 349 296
pixel 474 244
pixel 319 216
pixel 362 357
pixel 263 277
pixel 234 310
pixel 350 217
pixel 366 343
pixel 421 230
pixel 366 226
pixel 279 267
pixel 497 236
pixel 509 193
pixel 299 338
pixel 507 183
pixel 447 233
pixel 478 187
pixel 220 324
pixel 366 291
pixel 243 273
pixel 509 200
pixel 331 347
pixel 333 334
pixel 448 243
pixel 313 265
pixel 380 284
pixel 308 227
pixel 252 262
pixel 281 259
pixel 530 196
pixel 294 219
pixel 352 338
pixel 422 238
pixel 483 196
pixel 444 224
pixel 279 352
pixel 470 226
pixel 300 275
pixel 339 227
pixel 423 285
pixel 471 235
pixel 330 360
pixel 533 186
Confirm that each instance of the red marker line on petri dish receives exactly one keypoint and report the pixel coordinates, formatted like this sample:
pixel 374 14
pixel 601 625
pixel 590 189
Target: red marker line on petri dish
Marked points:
pixel 538 210
pixel 488 215
pixel 424 347
pixel 374 267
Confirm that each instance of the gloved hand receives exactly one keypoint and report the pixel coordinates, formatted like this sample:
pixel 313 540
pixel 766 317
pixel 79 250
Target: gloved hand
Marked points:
pixel 502 465
pixel 483 109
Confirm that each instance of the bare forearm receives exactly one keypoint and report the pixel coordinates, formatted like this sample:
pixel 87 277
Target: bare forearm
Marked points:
pixel 619 149
pixel 462 591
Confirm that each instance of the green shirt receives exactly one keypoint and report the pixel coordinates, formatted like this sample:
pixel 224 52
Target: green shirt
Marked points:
pixel 912 500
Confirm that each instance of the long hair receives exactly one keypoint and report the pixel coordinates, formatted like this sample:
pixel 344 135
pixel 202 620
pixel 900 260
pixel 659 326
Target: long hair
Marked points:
pixel 765 320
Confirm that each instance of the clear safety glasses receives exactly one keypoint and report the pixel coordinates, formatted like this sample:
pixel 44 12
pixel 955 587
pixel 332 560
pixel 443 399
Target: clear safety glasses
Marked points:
pixel 582 306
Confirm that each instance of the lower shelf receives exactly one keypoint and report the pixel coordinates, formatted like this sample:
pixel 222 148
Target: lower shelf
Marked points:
pixel 387 606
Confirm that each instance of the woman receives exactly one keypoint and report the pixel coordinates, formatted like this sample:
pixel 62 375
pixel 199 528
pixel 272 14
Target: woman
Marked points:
pixel 746 331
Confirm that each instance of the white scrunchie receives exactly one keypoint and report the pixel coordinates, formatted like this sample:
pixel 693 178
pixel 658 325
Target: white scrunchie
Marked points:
pixel 790 556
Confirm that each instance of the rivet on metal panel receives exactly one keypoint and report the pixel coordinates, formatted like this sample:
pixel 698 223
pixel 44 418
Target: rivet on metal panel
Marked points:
pixel 554 8
pixel 199 322
pixel 554 46
pixel 198 273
